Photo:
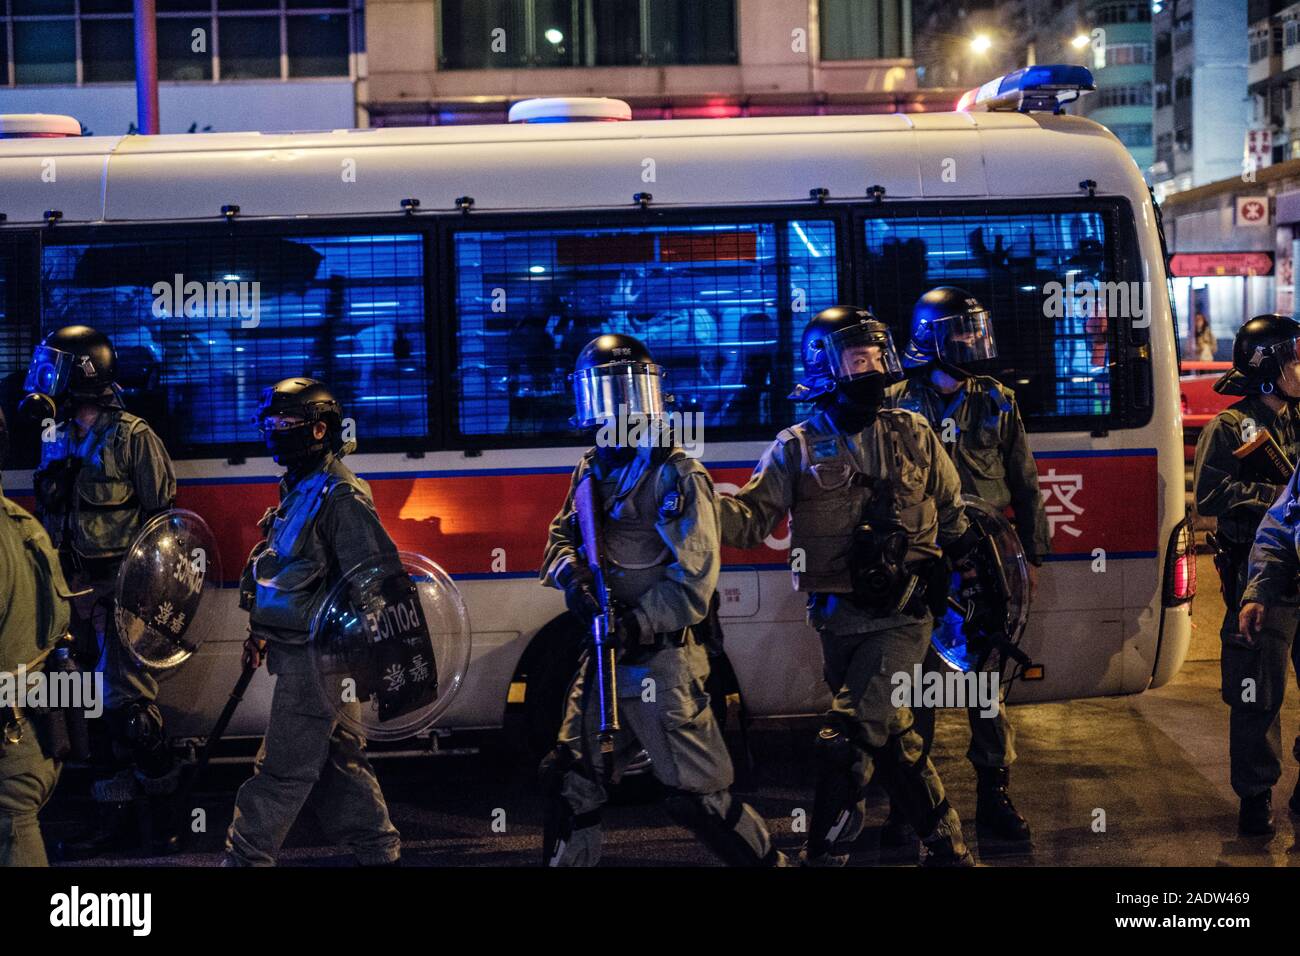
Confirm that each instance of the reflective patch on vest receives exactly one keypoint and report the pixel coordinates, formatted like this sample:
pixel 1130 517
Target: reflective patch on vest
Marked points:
pixel 672 505
pixel 826 448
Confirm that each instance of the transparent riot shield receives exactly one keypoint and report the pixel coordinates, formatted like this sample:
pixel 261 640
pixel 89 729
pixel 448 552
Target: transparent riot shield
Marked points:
pixel 166 590
pixel 391 645
pixel 986 613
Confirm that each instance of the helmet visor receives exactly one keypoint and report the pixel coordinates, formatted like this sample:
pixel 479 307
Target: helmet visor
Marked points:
pixel 967 337
pixel 618 391
pixel 860 350
pixel 49 372
pixel 1284 352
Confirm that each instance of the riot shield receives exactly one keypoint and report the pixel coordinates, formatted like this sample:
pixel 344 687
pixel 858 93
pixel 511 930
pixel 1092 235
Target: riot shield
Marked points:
pixel 986 615
pixel 166 590
pixel 391 645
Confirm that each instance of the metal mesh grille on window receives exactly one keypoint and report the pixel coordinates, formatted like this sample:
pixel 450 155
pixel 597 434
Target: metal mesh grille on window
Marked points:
pixel 202 324
pixel 19 338
pixel 720 306
pixel 1039 274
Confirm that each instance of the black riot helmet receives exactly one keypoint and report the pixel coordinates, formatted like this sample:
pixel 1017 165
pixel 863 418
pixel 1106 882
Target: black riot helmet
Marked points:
pixel 1263 348
pixel 309 400
pixel 951 329
pixel 74 363
pixel 616 377
pixel 848 349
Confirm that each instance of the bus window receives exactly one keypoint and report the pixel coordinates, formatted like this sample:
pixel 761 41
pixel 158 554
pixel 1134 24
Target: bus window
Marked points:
pixel 17 320
pixel 720 306
pixel 203 323
pixel 1033 270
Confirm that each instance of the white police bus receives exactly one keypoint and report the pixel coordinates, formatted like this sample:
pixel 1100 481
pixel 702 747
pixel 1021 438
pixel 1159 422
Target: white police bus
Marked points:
pixel 441 281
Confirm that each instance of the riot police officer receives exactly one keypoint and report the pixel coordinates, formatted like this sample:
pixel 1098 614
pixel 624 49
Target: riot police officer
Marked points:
pixel 1256 645
pixel 661 539
pixel 980 428
pixel 325 525
pixel 875 508
pixel 103 474
pixel 34 617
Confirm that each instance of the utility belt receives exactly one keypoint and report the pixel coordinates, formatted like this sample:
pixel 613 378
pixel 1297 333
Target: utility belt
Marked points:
pixel 1229 557
pixel 61 731
pixel 76 564
pixel 885 583
pixel 648 646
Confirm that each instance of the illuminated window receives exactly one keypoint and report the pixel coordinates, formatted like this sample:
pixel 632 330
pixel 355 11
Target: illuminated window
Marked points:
pixel 721 307
pixel 348 310
pixel 1055 351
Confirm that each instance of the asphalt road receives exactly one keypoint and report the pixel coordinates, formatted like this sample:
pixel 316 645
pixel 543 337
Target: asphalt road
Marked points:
pixel 1151 768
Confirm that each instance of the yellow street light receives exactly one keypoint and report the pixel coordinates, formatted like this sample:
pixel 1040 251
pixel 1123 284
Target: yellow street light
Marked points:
pixel 980 43
pixel 1081 41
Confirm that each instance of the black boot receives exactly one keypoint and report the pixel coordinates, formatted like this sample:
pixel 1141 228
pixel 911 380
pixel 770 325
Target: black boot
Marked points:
pixel 945 849
pixel 114 830
pixel 995 814
pixel 896 833
pixel 1256 816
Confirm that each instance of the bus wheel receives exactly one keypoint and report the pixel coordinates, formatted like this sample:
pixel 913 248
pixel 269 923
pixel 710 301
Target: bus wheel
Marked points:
pixel 539 690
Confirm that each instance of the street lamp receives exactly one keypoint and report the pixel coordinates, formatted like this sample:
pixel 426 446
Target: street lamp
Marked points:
pixel 1081 41
pixel 554 36
pixel 980 43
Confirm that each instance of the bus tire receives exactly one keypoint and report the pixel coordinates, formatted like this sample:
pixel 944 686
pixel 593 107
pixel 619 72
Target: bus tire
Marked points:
pixel 543 675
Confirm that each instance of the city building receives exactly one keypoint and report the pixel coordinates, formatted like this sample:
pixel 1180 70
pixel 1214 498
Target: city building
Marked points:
pixel 465 61
pixel 1201 104
pixel 1119 53
pixel 222 64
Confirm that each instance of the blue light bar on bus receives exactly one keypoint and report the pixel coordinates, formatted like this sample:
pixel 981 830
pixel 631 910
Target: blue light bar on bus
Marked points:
pixel 1031 89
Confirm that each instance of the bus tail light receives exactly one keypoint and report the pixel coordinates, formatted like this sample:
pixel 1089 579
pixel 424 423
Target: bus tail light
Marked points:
pixel 1180 566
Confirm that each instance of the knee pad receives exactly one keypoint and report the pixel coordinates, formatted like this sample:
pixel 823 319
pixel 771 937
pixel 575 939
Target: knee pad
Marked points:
pixel 835 746
pixel 139 728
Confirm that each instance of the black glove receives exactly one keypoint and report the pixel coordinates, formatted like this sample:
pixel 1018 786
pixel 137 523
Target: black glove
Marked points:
pixel 628 634
pixel 579 591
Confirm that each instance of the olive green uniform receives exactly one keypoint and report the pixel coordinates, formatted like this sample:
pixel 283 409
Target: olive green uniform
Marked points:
pixel 812 472
pixel 661 541
pixel 94 494
pixel 1253 677
pixel 34 613
pixel 325 525
pixel 980 427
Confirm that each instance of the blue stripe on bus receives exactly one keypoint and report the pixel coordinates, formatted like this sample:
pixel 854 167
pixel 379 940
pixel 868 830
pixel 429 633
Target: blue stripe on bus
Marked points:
pixel 1100 453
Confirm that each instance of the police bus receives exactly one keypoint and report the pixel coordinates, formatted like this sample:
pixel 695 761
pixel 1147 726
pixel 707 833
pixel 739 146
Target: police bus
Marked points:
pixel 441 281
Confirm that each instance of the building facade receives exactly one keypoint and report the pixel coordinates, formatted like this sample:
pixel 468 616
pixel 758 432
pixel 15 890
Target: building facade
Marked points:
pixel 464 61
pixel 223 65
pixel 1201 104
pixel 1120 54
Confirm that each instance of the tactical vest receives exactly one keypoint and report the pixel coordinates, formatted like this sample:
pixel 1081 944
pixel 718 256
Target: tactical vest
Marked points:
pixel 290 570
pixel 97 513
pixel 19 643
pixel 976 412
pixel 637 555
pixel 829 502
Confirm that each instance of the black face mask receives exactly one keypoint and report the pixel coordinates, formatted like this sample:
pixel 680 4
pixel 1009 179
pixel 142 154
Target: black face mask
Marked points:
pixel 866 393
pixel 615 456
pixel 291 446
